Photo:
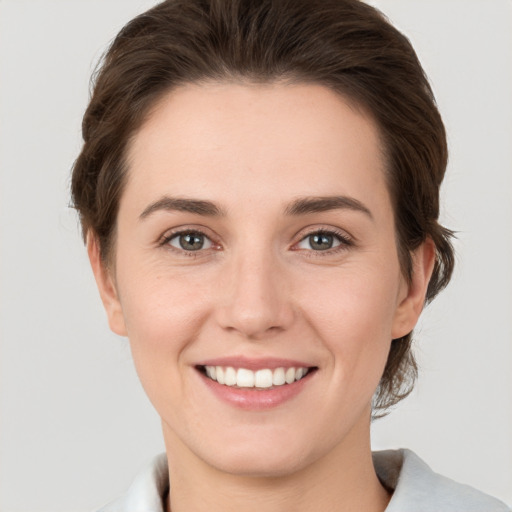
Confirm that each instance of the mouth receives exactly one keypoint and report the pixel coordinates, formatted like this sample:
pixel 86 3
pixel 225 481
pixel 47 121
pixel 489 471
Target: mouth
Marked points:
pixel 256 384
pixel 260 379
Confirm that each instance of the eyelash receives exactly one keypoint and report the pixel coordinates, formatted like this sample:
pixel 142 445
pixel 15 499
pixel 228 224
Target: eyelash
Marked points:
pixel 166 239
pixel 345 242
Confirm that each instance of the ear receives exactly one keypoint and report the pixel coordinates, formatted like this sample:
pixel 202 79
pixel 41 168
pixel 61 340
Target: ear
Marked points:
pixel 106 286
pixel 412 297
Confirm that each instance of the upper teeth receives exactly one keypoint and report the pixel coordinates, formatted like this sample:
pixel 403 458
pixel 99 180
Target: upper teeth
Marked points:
pixel 264 378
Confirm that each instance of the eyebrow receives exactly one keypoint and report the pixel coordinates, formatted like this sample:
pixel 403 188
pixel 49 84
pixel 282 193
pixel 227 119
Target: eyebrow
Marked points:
pixel 197 206
pixel 305 205
pixel 300 206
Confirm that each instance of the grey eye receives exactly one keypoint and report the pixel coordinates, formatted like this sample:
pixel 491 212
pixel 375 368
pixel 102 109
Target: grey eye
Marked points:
pixel 319 242
pixel 190 241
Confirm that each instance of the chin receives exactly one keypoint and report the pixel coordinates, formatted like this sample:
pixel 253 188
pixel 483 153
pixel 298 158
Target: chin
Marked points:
pixel 263 456
pixel 260 465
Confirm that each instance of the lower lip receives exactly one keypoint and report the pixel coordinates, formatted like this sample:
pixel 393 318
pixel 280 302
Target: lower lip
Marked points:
pixel 257 399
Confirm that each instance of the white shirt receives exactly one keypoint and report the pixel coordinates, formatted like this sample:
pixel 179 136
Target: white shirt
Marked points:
pixel 416 488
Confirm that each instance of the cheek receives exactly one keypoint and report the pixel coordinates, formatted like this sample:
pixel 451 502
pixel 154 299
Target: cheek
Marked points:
pixel 353 314
pixel 163 314
pixel 158 302
pixel 351 302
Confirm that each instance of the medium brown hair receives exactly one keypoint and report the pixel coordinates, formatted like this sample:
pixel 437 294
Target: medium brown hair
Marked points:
pixel 345 45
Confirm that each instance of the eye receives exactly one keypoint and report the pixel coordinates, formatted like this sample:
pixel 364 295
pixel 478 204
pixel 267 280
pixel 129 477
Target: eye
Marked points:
pixel 323 241
pixel 189 241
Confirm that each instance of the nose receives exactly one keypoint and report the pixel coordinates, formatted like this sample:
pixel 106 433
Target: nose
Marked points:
pixel 256 300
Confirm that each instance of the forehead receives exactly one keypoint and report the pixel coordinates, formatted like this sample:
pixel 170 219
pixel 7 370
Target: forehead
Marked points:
pixel 224 141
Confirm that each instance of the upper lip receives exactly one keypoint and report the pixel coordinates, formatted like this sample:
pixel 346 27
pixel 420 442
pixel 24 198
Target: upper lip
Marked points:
pixel 255 363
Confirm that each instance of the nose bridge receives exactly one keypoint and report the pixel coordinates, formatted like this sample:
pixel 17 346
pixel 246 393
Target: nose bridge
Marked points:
pixel 256 294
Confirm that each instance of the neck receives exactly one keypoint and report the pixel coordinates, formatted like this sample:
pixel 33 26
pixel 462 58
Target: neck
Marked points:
pixel 343 480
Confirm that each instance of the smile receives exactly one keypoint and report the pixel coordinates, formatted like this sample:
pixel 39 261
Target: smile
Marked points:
pixel 264 378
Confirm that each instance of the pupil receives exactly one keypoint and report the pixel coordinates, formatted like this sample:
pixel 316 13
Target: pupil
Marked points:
pixel 191 242
pixel 321 241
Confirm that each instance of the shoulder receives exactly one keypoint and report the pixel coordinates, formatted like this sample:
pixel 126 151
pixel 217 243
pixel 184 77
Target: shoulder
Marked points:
pixel 147 492
pixel 417 487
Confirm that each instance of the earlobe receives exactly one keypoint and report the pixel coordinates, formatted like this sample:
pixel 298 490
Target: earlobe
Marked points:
pixel 411 305
pixel 106 287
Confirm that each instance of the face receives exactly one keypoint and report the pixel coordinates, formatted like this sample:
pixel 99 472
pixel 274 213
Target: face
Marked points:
pixel 256 274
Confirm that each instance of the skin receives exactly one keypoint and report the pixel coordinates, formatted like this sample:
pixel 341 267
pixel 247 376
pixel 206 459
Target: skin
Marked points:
pixel 260 289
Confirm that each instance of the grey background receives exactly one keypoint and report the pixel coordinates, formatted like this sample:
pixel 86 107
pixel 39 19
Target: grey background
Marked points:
pixel 75 425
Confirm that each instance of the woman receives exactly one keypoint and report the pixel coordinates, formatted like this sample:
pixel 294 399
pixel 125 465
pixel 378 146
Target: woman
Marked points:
pixel 259 193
